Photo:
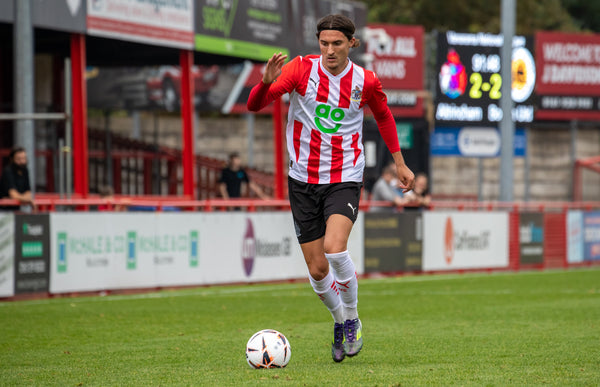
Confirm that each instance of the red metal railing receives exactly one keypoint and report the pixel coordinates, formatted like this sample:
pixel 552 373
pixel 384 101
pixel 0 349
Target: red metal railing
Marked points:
pixel 140 168
pixel 53 202
pixel 591 164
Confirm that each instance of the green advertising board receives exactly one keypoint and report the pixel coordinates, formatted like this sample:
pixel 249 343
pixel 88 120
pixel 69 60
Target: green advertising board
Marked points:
pixel 252 30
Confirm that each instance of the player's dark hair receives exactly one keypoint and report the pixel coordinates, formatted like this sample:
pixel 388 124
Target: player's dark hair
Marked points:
pixel 14 151
pixel 338 23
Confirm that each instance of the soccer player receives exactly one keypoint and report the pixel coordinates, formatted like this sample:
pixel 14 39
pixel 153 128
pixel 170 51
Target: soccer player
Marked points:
pixel 324 141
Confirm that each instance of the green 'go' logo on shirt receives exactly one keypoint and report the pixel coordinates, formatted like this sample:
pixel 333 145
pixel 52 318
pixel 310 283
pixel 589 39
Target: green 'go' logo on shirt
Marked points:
pixel 324 111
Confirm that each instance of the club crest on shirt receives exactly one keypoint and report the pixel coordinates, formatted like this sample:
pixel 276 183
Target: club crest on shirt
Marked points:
pixel 356 94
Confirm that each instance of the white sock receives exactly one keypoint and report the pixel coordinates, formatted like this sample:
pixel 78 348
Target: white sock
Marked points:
pixel 328 293
pixel 347 283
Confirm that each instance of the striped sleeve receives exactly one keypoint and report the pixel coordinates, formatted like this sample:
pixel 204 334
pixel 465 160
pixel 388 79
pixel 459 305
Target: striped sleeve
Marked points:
pixel 377 101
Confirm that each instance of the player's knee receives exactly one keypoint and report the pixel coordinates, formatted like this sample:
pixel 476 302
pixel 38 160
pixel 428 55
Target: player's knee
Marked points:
pixel 318 271
pixel 334 245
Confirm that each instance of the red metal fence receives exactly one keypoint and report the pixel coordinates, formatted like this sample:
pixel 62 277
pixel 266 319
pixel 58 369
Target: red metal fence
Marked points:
pixel 139 168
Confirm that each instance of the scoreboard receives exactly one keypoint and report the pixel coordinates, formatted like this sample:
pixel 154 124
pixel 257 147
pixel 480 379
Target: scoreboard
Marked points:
pixel 469 79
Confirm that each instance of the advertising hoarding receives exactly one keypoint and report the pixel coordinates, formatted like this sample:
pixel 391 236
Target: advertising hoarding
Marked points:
pixel 393 242
pixel 575 236
pixel 474 142
pixel 7 254
pixel 98 251
pixel 531 237
pixel 396 55
pixel 468 87
pixel 162 23
pixel 568 85
pixel 591 236
pixel 102 251
pixel 61 15
pixel 246 29
pixel 465 240
pixel 32 253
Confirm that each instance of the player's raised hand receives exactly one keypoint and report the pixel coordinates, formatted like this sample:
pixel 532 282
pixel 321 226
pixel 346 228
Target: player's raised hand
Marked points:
pixel 273 67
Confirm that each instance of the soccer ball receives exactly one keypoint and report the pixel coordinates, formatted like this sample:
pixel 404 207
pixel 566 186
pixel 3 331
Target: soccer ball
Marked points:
pixel 268 349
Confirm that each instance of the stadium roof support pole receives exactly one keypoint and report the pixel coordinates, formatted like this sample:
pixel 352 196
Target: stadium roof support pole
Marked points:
pixel 79 102
pixel 186 60
pixel 507 126
pixel 24 132
pixel 278 145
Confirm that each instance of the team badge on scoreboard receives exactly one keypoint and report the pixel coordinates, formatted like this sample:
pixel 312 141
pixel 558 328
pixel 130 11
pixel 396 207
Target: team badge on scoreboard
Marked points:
pixel 523 74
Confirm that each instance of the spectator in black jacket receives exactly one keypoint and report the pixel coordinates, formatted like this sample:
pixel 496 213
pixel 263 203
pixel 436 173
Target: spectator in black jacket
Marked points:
pixel 14 183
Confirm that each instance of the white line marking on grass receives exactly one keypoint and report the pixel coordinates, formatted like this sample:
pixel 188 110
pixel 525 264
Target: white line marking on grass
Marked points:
pixel 202 292
pixel 217 290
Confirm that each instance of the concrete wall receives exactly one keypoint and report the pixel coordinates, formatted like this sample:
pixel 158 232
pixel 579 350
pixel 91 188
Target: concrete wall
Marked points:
pixel 550 168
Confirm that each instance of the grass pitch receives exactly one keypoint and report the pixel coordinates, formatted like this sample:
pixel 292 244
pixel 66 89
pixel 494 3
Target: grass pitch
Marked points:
pixel 476 329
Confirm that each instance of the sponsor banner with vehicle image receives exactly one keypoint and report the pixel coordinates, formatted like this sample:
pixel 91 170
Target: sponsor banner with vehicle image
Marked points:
pixel 7 254
pixel 465 240
pixel 159 87
pixel 32 253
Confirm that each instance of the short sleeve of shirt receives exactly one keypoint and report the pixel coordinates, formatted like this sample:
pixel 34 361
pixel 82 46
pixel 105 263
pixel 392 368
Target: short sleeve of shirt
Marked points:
pixel 222 176
pixel 244 176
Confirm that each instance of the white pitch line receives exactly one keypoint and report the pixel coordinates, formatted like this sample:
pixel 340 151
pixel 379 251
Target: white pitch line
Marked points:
pixel 258 288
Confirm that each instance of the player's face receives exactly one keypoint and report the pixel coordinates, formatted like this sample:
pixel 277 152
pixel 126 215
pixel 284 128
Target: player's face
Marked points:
pixel 335 48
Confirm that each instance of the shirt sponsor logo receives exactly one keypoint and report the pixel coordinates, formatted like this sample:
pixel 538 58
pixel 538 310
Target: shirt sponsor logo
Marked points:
pixel 324 111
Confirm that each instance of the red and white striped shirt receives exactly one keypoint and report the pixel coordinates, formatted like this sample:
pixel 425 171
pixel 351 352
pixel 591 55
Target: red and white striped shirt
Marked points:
pixel 325 119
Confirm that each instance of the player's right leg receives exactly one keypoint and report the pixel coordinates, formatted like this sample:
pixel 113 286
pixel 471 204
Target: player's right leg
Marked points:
pixel 309 223
pixel 324 285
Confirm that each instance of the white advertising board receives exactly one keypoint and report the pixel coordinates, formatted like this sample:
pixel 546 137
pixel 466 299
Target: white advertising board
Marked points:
pixel 243 247
pixel 575 236
pixel 465 240
pixel 7 255
pixel 166 23
pixel 101 251
pixel 91 251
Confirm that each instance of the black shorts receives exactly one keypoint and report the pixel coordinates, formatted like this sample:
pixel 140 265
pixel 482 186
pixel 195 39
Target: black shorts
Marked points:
pixel 312 204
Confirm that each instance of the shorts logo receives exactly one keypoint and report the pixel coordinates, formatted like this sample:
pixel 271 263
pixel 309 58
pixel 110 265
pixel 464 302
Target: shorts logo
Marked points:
pixel 325 112
pixel 356 94
pixel 352 208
